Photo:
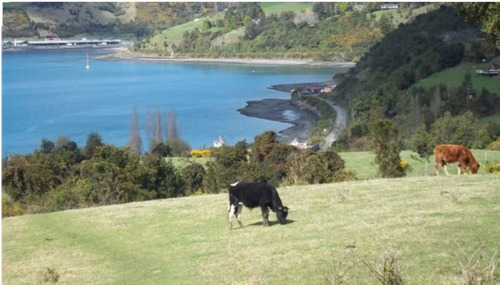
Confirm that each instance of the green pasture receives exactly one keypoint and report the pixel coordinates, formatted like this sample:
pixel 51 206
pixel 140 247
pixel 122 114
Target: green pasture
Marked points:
pixel 453 77
pixel 279 7
pixel 363 163
pixel 430 225
pixel 399 17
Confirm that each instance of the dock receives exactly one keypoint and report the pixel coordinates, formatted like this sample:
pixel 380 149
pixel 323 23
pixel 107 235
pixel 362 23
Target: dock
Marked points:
pixel 56 43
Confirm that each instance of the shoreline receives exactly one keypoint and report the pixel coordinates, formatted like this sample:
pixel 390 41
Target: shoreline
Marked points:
pixel 271 109
pixel 127 55
pixel 276 110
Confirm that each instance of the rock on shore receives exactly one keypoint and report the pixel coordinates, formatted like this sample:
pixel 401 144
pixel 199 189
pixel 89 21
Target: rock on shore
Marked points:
pixel 282 111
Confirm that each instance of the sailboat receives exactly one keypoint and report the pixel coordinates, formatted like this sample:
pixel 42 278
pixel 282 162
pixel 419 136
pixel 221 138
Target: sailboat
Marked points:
pixel 88 65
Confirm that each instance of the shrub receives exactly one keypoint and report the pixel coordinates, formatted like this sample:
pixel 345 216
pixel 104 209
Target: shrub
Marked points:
pixel 10 208
pixel 477 267
pixel 491 167
pixel 494 145
pixel 201 153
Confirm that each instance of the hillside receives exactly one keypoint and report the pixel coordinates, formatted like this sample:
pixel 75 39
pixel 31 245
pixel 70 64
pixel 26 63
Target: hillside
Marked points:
pixel 417 74
pixel 320 31
pixel 436 228
pixel 97 19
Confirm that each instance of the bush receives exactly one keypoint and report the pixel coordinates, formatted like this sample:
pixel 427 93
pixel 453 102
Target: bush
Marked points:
pixel 10 208
pixel 494 146
pixel 491 167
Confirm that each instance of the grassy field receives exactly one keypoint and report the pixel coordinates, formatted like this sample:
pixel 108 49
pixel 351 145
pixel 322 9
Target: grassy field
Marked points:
pixel 363 163
pixel 454 77
pixel 279 7
pixel 430 224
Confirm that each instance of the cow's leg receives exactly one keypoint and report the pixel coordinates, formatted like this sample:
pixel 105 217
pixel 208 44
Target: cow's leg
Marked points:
pixel 445 169
pixel 231 211
pixel 436 165
pixel 238 214
pixel 265 216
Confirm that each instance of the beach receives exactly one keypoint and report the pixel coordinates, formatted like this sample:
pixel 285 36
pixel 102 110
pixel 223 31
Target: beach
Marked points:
pixel 125 54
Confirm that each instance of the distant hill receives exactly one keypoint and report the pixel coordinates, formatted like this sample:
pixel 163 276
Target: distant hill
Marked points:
pixel 324 31
pixel 110 19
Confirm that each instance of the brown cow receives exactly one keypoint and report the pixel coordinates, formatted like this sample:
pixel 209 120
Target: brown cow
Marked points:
pixel 451 153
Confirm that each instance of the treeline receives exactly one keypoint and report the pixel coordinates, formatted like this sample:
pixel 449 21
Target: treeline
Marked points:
pixel 383 79
pixel 60 175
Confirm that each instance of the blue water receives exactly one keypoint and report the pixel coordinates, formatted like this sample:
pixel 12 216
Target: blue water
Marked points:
pixel 49 93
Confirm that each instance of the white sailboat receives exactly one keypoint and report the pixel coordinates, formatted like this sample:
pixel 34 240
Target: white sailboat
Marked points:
pixel 88 65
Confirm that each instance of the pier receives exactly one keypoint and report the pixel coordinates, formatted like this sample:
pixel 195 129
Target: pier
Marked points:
pixel 56 43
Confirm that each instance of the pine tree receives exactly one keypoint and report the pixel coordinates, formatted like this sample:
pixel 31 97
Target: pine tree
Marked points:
pixel 172 131
pixel 135 141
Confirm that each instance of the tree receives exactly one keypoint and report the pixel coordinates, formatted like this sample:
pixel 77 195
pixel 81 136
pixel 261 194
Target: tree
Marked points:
pixel 263 145
pixel 455 130
pixel 487 14
pixel 135 140
pixel 154 129
pixel 172 130
pixel 113 176
pixel 385 24
pixel 486 103
pixel 193 175
pixel 422 143
pixel 62 142
pixel 177 146
pixel 227 167
pixel 94 140
pixel 383 140
pixel 251 30
pixel 47 146
pixel 161 177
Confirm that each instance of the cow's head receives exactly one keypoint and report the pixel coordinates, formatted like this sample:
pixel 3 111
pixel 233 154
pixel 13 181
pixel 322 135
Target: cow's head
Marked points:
pixel 281 214
pixel 474 167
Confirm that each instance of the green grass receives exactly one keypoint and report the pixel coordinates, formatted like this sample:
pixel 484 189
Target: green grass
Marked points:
pixel 453 77
pixel 279 7
pixel 186 240
pixel 401 17
pixel 363 163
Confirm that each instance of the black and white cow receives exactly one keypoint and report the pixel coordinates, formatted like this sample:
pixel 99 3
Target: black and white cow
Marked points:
pixel 255 194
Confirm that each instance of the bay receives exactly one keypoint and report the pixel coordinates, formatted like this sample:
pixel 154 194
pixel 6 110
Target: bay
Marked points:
pixel 50 93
